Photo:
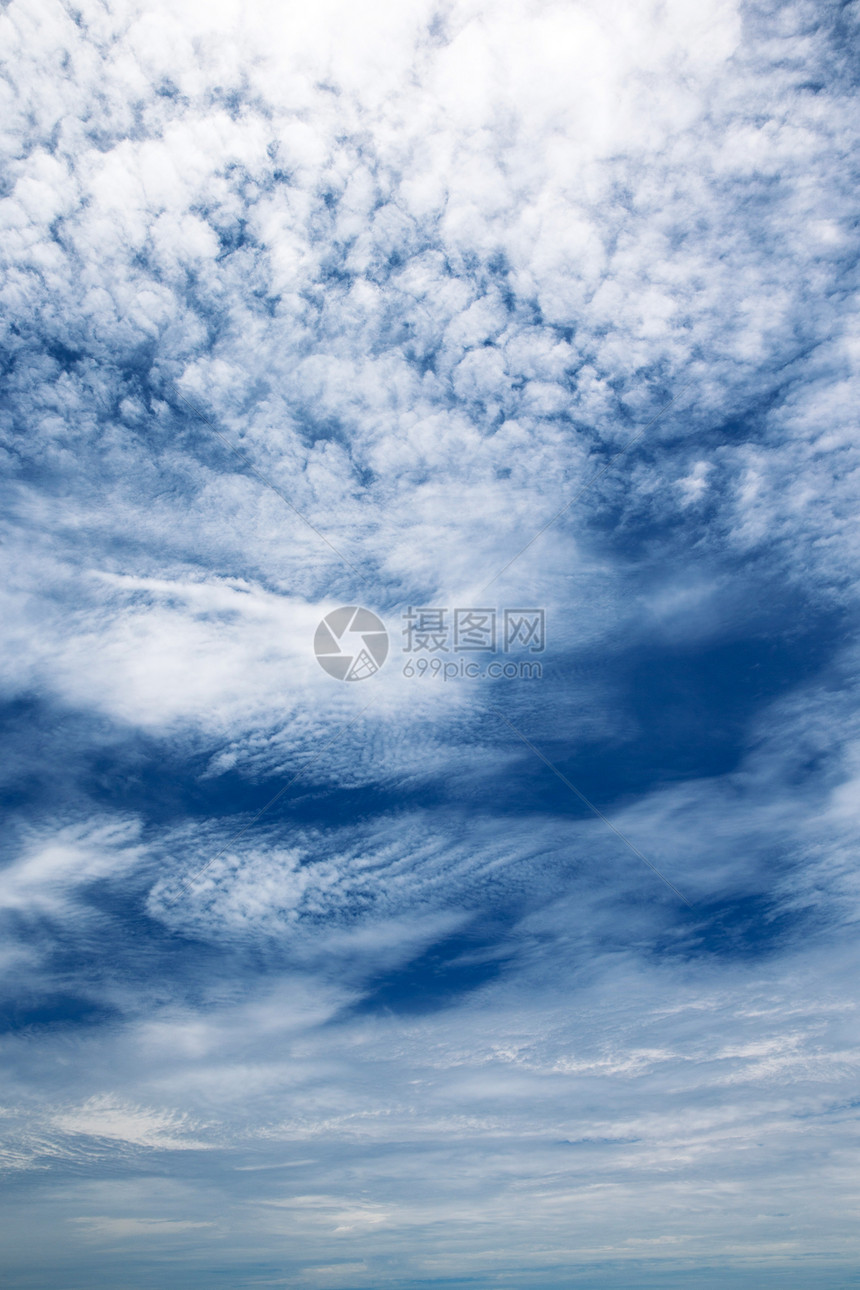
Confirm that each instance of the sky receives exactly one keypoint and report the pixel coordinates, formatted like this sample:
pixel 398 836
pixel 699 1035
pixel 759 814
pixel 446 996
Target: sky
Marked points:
pixel 524 964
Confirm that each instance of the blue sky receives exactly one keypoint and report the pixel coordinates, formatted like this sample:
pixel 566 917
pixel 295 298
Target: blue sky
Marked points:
pixel 314 306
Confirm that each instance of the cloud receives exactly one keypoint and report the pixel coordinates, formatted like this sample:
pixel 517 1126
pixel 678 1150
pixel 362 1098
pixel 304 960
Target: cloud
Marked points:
pixel 56 865
pixel 431 283
pixel 104 1117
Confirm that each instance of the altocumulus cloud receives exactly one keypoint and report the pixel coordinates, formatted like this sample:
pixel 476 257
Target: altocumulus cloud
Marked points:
pixel 306 306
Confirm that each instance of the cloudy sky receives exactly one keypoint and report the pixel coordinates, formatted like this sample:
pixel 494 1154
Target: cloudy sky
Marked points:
pixel 532 980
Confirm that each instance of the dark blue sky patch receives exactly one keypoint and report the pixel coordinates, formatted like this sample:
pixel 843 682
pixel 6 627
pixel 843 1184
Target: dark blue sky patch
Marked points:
pixel 679 710
pixel 743 929
pixel 57 759
pixel 438 977
pixel 26 1014
pixel 694 705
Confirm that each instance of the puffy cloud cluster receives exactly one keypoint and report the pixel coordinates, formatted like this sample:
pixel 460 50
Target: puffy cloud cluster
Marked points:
pixel 316 305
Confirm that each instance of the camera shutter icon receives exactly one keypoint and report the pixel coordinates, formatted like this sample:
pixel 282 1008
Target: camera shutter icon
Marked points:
pixel 351 643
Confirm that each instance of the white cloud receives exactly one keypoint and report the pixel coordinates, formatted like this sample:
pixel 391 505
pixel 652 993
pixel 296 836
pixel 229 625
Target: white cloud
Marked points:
pixel 56 864
pixel 105 1117
pixel 427 270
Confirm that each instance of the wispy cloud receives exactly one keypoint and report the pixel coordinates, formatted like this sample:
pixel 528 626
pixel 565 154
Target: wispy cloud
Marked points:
pixel 428 271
